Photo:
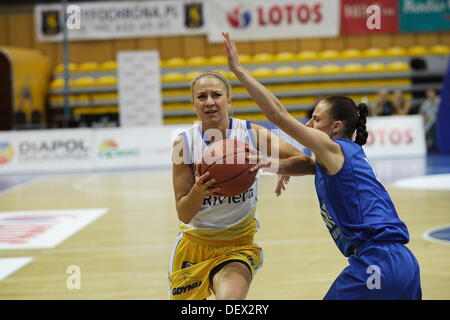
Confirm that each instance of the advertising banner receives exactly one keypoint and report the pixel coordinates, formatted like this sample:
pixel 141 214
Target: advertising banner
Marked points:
pixel 46 150
pixel 87 149
pixel 97 149
pixel 134 147
pixel 120 19
pixel 424 15
pixel 395 136
pixel 140 102
pixel 38 229
pixel 272 19
pixel 364 17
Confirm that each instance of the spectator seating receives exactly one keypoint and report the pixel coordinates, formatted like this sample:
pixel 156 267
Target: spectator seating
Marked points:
pixel 297 78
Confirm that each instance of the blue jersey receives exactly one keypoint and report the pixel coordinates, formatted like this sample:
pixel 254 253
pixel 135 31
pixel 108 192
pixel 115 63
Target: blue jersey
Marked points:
pixel 354 204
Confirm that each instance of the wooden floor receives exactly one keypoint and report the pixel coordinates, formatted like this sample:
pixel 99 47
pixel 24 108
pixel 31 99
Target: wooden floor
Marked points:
pixel 124 254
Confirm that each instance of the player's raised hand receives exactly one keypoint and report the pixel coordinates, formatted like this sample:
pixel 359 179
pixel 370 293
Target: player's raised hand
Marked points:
pixel 232 52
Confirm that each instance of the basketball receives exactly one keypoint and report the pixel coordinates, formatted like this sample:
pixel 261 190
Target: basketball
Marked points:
pixel 226 160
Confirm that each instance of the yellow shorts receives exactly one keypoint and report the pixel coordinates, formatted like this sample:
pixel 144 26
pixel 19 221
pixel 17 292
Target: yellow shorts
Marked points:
pixel 193 259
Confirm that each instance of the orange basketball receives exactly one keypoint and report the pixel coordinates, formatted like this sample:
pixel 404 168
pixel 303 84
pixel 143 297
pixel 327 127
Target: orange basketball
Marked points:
pixel 226 162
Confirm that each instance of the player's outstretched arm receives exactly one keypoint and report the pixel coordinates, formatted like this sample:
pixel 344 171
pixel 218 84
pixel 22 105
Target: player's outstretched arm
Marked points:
pixel 315 140
pixel 284 158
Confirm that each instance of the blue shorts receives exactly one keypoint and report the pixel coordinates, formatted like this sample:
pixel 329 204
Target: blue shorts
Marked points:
pixel 383 271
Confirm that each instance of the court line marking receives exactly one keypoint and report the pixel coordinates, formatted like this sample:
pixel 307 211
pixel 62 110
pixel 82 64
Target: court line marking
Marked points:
pixel 433 182
pixel 90 175
pixel 161 246
pixel 84 180
pixel 12 265
pixel 150 193
pixel 20 185
pixel 169 246
pixel 426 235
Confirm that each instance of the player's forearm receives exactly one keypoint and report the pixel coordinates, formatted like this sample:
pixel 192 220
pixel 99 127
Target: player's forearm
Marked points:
pixel 297 166
pixel 188 206
pixel 268 103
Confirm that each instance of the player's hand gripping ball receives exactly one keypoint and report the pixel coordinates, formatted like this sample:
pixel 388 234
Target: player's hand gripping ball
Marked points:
pixel 228 162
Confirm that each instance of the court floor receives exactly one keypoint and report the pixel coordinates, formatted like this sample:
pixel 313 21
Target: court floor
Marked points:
pixel 116 230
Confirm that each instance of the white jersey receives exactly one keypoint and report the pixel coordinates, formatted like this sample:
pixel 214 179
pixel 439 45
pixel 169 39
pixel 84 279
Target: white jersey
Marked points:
pixel 222 217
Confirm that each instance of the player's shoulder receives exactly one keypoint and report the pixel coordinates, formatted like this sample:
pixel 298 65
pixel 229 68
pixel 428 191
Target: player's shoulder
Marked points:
pixel 185 134
pixel 181 138
pixel 240 124
pixel 349 147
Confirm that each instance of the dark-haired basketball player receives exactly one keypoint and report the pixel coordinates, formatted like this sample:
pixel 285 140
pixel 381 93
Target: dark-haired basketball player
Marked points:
pixel 215 252
pixel 355 206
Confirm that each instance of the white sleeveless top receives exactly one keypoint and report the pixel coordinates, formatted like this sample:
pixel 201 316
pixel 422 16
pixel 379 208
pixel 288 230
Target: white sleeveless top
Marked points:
pixel 222 218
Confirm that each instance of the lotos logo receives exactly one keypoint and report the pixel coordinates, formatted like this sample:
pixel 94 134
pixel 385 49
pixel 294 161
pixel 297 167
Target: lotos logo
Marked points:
pixel 275 15
pixel 390 137
pixel 239 19
pixel 289 14
pixel 6 152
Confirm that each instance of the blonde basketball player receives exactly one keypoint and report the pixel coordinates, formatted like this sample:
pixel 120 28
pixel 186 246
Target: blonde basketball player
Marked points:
pixel 215 252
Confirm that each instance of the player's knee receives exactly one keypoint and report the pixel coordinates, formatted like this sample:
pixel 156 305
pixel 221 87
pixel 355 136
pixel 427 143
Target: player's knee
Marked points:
pixel 232 282
pixel 230 295
pixel 231 290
